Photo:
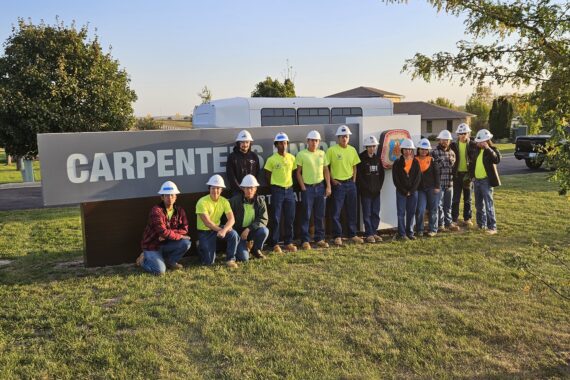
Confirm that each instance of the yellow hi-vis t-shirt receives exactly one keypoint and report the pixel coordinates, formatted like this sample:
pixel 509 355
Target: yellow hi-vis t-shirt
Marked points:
pixel 480 171
pixel 281 168
pixel 342 161
pixel 462 157
pixel 214 210
pixel 248 214
pixel 313 164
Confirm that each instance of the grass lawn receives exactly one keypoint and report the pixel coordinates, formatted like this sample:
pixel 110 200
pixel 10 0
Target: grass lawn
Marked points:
pixel 506 148
pixel 454 306
pixel 9 174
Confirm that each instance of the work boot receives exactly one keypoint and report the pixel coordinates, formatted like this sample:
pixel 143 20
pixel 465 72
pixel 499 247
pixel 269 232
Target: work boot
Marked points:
pixel 468 223
pixel 277 249
pixel 370 239
pixel 400 237
pixel 306 246
pixel 231 264
pixel 491 232
pixel 411 237
pixel 259 255
pixel 322 244
pixel 338 241
pixel 356 240
pixel 139 261
pixel 453 227
pixel 249 245
pixel 377 238
pixel 442 229
pixel 291 247
pixel 431 234
pixel 174 266
pixel 420 234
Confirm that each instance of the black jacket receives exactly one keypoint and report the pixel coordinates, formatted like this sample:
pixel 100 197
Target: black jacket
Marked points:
pixel 259 206
pixel 369 175
pixel 239 165
pixel 471 148
pixel 406 183
pixel 491 157
pixel 430 178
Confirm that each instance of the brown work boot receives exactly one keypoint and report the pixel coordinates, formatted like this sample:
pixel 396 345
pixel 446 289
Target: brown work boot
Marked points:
pixel 491 232
pixel 291 247
pixel 306 246
pixel 231 264
pixel 174 266
pixel 370 239
pixel 259 255
pixel 338 241
pixel 249 245
pixel 468 223
pixel 377 238
pixel 322 244
pixel 356 240
pixel 453 227
pixel 277 249
pixel 140 259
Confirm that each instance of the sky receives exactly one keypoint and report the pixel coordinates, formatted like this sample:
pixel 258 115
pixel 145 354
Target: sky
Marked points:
pixel 172 49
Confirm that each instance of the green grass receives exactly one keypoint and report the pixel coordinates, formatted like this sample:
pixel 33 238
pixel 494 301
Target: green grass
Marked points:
pixel 455 306
pixel 9 174
pixel 506 148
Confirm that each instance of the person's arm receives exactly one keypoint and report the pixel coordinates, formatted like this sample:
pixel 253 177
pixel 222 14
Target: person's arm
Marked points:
pixel 268 177
pixel 495 155
pixel 327 175
pixel 437 175
pixel 299 174
pixel 208 222
pixel 183 224
pixel 354 173
pixel 228 226
pixel 159 226
pixel 231 173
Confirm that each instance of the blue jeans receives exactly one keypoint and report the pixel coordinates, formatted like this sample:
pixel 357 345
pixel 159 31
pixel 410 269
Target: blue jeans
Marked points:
pixel 258 236
pixel 207 246
pixel 445 197
pixel 370 214
pixel 406 209
pixel 427 198
pixel 484 205
pixel 169 253
pixel 283 202
pixel 458 189
pixel 314 202
pixel 344 194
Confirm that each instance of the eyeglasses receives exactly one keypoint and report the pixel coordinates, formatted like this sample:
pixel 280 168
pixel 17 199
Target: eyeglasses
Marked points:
pixel 461 134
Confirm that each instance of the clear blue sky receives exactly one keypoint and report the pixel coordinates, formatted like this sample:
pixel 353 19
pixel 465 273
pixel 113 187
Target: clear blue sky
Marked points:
pixel 171 49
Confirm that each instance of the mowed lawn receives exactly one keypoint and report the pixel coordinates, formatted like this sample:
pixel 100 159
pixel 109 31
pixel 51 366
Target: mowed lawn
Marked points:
pixel 9 174
pixel 454 306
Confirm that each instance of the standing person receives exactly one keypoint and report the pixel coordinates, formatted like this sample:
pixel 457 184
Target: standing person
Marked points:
pixel 241 162
pixel 445 159
pixel 279 173
pixel 165 238
pixel 343 159
pixel 250 213
pixel 483 170
pixel 406 175
pixel 369 180
pixel 428 191
pixel 314 179
pixel 209 211
pixel 463 149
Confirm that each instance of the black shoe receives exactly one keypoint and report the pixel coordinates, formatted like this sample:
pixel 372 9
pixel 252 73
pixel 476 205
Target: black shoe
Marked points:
pixel 411 237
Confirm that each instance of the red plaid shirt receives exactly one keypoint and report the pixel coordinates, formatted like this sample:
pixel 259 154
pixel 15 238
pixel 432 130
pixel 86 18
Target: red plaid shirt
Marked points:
pixel 158 226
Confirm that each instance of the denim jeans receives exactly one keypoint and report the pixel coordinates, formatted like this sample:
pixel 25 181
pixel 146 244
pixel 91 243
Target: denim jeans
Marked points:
pixel 427 198
pixel 283 202
pixel 169 253
pixel 207 246
pixel 314 202
pixel 484 205
pixel 458 189
pixel 406 209
pixel 345 195
pixel 370 214
pixel 258 236
pixel 445 197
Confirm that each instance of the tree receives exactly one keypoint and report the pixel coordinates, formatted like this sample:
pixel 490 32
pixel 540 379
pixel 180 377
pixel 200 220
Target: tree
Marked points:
pixel 53 79
pixel 273 88
pixel 147 123
pixel 500 117
pixel 526 112
pixel 479 104
pixel 443 102
pixel 205 95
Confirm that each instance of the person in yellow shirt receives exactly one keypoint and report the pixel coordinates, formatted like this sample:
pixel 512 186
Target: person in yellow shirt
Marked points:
pixel 279 174
pixel 343 159
pixel 209 211
pixel 463 148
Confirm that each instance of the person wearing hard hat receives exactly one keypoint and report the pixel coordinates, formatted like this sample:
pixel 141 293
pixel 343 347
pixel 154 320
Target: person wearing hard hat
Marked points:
pixel 209 211
pixel 463 149
pixel 165 238
pixel 314 179
pixel 279 174
pixel 406 175
pixel 343 159
pixel 483 170
pixel 369 180
pixel 428 191
pixel 241 162
pixel 250 213
pixel 445 158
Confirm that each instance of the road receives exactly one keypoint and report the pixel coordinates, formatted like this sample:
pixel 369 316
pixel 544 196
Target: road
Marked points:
pixel 31 197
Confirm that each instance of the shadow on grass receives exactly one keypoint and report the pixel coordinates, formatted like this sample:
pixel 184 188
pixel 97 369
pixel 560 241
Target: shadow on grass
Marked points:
pixel 561 370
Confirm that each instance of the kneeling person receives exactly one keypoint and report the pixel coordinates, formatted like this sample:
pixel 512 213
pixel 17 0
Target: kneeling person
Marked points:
pixel 165 239
pixel 210 209
pixel 250 212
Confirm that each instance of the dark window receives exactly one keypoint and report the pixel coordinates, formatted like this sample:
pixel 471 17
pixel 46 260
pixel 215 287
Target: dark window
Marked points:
pixel 313 116
pixel 450 125
pixel 429 128
pixel 278 116
pixel 339 115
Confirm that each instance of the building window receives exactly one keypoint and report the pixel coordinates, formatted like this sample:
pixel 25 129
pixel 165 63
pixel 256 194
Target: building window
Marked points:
pixel 429 126
pixel 278 116
pixel 313 116
pixel 339 115
pixel 450 125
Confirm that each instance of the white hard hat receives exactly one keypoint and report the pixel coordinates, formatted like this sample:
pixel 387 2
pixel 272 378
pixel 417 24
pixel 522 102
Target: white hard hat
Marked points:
pixel 444 135
pixel 407 144
pixel 249 181
pixel 313 135
pixel 244 136
pixel 343 130
pixel 370 141
pixel 281 136
pixel 168 187
pixel 217 181
pixel 483 135
pixel 424 144
pixel 463 128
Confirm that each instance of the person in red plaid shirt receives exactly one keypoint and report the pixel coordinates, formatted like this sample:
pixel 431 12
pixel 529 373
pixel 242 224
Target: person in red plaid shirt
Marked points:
pixel 165 239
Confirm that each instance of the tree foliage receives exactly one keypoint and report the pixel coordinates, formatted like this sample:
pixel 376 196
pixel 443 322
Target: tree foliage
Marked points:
pixel 479 104
pixel 527 112
pixel 53 79
pixel 147 123
pixel 205 95
pixel 500 117
pixel 273 88
pixel 443 102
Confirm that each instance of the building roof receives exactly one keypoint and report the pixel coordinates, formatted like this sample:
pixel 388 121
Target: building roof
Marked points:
pixel 429 111
pixel 364 92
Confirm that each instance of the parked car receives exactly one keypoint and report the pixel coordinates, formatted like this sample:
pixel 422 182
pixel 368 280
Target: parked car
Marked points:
pixel 531 149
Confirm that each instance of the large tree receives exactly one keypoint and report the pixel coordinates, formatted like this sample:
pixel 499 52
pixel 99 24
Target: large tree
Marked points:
pixel 479 104
pixel 518 42
pixel 273 88
pixel 54 79
pixel 500 117
pixel 443 102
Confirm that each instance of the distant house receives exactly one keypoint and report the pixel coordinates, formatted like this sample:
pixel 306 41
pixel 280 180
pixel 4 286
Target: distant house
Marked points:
pixel 368 92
